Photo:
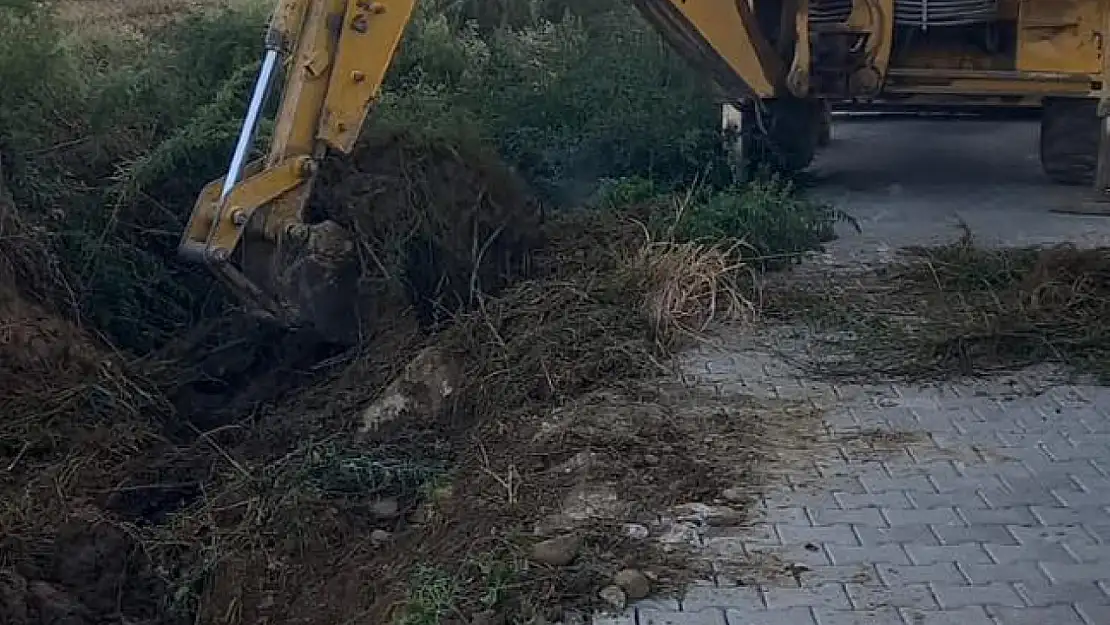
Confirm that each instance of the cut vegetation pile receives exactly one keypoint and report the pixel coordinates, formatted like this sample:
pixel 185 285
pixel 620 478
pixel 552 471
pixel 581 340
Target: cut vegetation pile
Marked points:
pixel 963 309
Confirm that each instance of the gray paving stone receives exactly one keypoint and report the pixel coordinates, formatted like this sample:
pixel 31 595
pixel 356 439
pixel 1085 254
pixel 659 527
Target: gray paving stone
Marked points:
pixel 1094 613
pixel 960 500
pixel 701 598
pixel 918 596
pixel 1030 552
pixel 1100 531
pixel 662 603
pixel 917 471
pixel 915 534
pixel 1025 494
pixel 1047 593
pixel 1089 552
pixel 788 616
pixel 931 516
pixel 1050 615
pixel 947 531
pixel 819 534
pixel 1069 516
pixel 1076 497
pixel 987 573
pixel 939 573
pixel 943 484
pixel 793 515
pixel 929 554
pixel 1069 534
pixel 1060 572
pixel 982 594
pixel 971 615
pixel 958 535
pixel 869 517
pixel 831 596
pixel 883 616
pixel 1095 485
pixel 880 554
pixel 909 483
pixel 622 619
pixel 703 617
pixel 887 499
pixel 845 574
pixel 1018 515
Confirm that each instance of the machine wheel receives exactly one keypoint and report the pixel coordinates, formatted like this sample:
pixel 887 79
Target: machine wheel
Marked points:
pixel 792 129
pixel 1069 140
pixel 824 129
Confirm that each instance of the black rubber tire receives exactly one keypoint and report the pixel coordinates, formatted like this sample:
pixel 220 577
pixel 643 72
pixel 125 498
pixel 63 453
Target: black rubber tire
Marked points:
pixel 793 132
pixel 1069 140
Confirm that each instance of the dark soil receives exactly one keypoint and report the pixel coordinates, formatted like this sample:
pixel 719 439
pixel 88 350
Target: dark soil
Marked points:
pixel 227 480
pixel 446 221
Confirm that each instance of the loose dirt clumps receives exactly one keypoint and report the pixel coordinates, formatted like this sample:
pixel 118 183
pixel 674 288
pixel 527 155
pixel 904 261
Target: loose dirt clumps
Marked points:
pixel 72 420
pixel 236 480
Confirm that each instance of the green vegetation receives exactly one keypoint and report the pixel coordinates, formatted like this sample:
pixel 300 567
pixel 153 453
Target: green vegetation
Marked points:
pixel 767 217
pixel 105 143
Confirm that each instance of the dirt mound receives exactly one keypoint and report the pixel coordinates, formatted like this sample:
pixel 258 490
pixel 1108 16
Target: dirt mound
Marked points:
pixel 444 221
pixel 244 475
pixel 71 424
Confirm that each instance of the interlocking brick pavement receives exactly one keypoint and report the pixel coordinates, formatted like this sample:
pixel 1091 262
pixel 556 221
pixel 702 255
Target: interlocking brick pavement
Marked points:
pixel 997 512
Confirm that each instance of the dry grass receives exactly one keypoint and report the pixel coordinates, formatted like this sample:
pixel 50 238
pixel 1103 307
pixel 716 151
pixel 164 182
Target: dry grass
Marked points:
pixel 689 286
pixel 961 310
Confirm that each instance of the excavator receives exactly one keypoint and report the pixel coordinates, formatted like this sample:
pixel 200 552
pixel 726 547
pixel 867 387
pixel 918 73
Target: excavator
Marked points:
pixel 776 64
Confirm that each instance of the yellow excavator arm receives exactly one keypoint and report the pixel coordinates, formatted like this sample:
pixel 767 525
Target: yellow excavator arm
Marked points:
pixel 335 54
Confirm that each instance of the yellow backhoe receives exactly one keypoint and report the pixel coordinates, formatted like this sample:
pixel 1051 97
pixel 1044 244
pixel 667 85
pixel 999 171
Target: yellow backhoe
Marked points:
pixel 774 62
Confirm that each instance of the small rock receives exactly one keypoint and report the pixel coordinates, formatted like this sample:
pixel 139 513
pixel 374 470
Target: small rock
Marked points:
pixel 634 583
pixel 651 459
pixel 558 551
pixel 735 494
pixel 385 508
pixel 489 617
pixel 636 531
pixel 421 515
pixel 380 537
pixel 614 596
pixel 425 387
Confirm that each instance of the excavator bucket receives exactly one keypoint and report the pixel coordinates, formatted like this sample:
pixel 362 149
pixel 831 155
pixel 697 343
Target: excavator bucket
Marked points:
pixel 249 227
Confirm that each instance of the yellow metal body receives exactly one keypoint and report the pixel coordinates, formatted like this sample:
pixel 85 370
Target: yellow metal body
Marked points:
pixel 336 54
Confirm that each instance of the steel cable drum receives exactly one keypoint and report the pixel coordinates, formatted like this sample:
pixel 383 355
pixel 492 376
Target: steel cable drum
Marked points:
pixel 919 13
pixel 935 13
pixel 829 11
